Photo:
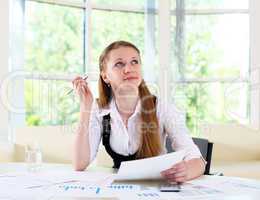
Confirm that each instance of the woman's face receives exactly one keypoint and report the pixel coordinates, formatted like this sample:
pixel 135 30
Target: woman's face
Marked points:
pixel 123 69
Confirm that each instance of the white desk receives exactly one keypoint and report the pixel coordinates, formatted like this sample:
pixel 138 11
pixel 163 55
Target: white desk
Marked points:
pixel 227 188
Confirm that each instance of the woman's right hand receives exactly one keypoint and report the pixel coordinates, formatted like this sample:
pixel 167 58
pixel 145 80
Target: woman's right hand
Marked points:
pixel 80 86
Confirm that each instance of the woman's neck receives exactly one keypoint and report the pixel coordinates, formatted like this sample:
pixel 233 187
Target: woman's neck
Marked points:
pixel 126 104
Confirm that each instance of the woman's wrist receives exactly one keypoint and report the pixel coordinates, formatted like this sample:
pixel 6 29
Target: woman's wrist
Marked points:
pixel 195 168
pixel 85 107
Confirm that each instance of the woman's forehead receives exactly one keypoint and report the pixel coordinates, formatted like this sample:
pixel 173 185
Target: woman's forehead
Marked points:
pixel 123 52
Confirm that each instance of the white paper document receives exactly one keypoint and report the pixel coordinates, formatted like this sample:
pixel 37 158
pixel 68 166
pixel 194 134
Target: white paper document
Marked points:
pixel 31 185
pixel 148 168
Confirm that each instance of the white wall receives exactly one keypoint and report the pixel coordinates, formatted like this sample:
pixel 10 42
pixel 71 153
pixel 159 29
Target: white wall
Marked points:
pixel 6 150
pixel 4 60
pixel 255 63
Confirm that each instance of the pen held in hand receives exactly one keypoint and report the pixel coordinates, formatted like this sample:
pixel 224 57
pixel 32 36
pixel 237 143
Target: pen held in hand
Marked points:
pixel 70 91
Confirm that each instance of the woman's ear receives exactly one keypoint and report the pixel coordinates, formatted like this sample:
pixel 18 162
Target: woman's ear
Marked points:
pixel 104 77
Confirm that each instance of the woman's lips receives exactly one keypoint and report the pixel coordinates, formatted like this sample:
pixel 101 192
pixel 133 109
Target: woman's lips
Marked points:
pixel 131 78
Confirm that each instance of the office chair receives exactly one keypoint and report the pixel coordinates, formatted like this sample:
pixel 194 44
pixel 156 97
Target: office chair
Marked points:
pixel 204 146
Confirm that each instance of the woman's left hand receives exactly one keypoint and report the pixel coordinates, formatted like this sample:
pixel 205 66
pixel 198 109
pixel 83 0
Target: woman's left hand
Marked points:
pixel 177 173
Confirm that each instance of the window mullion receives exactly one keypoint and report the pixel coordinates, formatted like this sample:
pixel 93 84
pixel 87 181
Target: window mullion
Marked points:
pixel 17 119
pixel 149 40
pixel 180 38
pixel 87 37
pixel 164 47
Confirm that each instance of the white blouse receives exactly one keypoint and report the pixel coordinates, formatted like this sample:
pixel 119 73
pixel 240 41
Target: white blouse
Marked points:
pixel 125 140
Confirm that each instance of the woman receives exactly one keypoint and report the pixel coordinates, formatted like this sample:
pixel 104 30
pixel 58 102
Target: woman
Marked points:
pixel 130 121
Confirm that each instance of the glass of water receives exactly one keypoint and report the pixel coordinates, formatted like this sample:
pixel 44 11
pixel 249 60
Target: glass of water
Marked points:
pixel 33 157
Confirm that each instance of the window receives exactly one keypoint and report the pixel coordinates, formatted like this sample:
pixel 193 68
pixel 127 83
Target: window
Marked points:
pixel 210 61
pixel 53 46
pixel 208 66
pixel 65 39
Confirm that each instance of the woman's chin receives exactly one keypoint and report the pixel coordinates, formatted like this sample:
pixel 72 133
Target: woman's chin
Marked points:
pixel 129 83
pixel 134 82
pixel 128 89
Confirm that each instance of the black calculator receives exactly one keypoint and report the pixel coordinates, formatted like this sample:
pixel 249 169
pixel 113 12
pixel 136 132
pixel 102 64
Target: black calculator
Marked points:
pixel 170 187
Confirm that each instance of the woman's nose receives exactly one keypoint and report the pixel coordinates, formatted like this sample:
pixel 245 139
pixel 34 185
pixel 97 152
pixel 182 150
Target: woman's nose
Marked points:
pixel 128 68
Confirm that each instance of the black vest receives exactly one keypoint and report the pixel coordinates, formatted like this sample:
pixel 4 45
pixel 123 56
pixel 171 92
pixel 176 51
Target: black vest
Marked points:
pixel 117 158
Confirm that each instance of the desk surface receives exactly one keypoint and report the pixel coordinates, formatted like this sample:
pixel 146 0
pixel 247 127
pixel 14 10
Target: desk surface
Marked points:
pixel 206 187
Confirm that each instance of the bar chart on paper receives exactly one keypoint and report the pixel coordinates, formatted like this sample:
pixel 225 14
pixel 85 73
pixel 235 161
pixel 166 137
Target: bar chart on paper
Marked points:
pixel 81 189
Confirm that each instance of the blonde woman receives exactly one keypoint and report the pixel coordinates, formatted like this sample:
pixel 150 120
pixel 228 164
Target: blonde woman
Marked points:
pixel 129 121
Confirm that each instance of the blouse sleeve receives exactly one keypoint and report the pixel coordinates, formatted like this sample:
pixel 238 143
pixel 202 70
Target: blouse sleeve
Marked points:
pixel 174 123
pixel 94 131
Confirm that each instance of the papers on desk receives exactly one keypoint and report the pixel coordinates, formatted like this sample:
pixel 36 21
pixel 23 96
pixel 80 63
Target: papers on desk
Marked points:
pixel 48 178
pixel 93 185
pixel 224 183
pixel 43 184
pixel 148 168
pixel 68 184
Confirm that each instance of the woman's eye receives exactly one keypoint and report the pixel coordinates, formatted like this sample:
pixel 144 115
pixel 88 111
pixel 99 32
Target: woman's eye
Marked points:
pixel 134 62
pixel 119 64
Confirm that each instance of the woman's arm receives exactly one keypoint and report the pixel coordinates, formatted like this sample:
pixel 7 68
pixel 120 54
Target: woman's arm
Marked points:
pixel 81 145
pixel 81 158
pixel 174 122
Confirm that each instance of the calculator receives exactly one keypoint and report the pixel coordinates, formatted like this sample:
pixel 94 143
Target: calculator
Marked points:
pixel 168 187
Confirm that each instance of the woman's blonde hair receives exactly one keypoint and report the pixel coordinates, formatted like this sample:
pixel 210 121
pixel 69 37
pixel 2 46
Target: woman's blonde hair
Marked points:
pixel 150 144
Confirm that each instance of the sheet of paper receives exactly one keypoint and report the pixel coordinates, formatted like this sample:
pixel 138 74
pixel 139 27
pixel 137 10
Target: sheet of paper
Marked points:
pixel 148 168
pixel 228 183
pixel 47 184
pixel 49 178
pixel 90 178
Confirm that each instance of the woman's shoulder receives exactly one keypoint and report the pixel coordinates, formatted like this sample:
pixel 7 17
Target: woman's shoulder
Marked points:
pixel 98 110
pixel 166 108
pixel 165 105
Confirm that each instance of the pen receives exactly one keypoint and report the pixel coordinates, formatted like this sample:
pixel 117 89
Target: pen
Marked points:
pixel 70 91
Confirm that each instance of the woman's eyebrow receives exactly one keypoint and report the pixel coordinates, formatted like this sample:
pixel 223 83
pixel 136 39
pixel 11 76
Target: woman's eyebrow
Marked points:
pixel 118 59
pixel 123 59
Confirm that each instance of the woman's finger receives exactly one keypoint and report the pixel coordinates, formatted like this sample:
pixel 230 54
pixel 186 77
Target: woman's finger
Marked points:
pixel 173 178
pixel 180 169
pixel 84 91
pixel 76 79
pixel 79 82
pixel 168 171
pixel 176 175
pixel 76 83
pixel 181 174
pixel 181 179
